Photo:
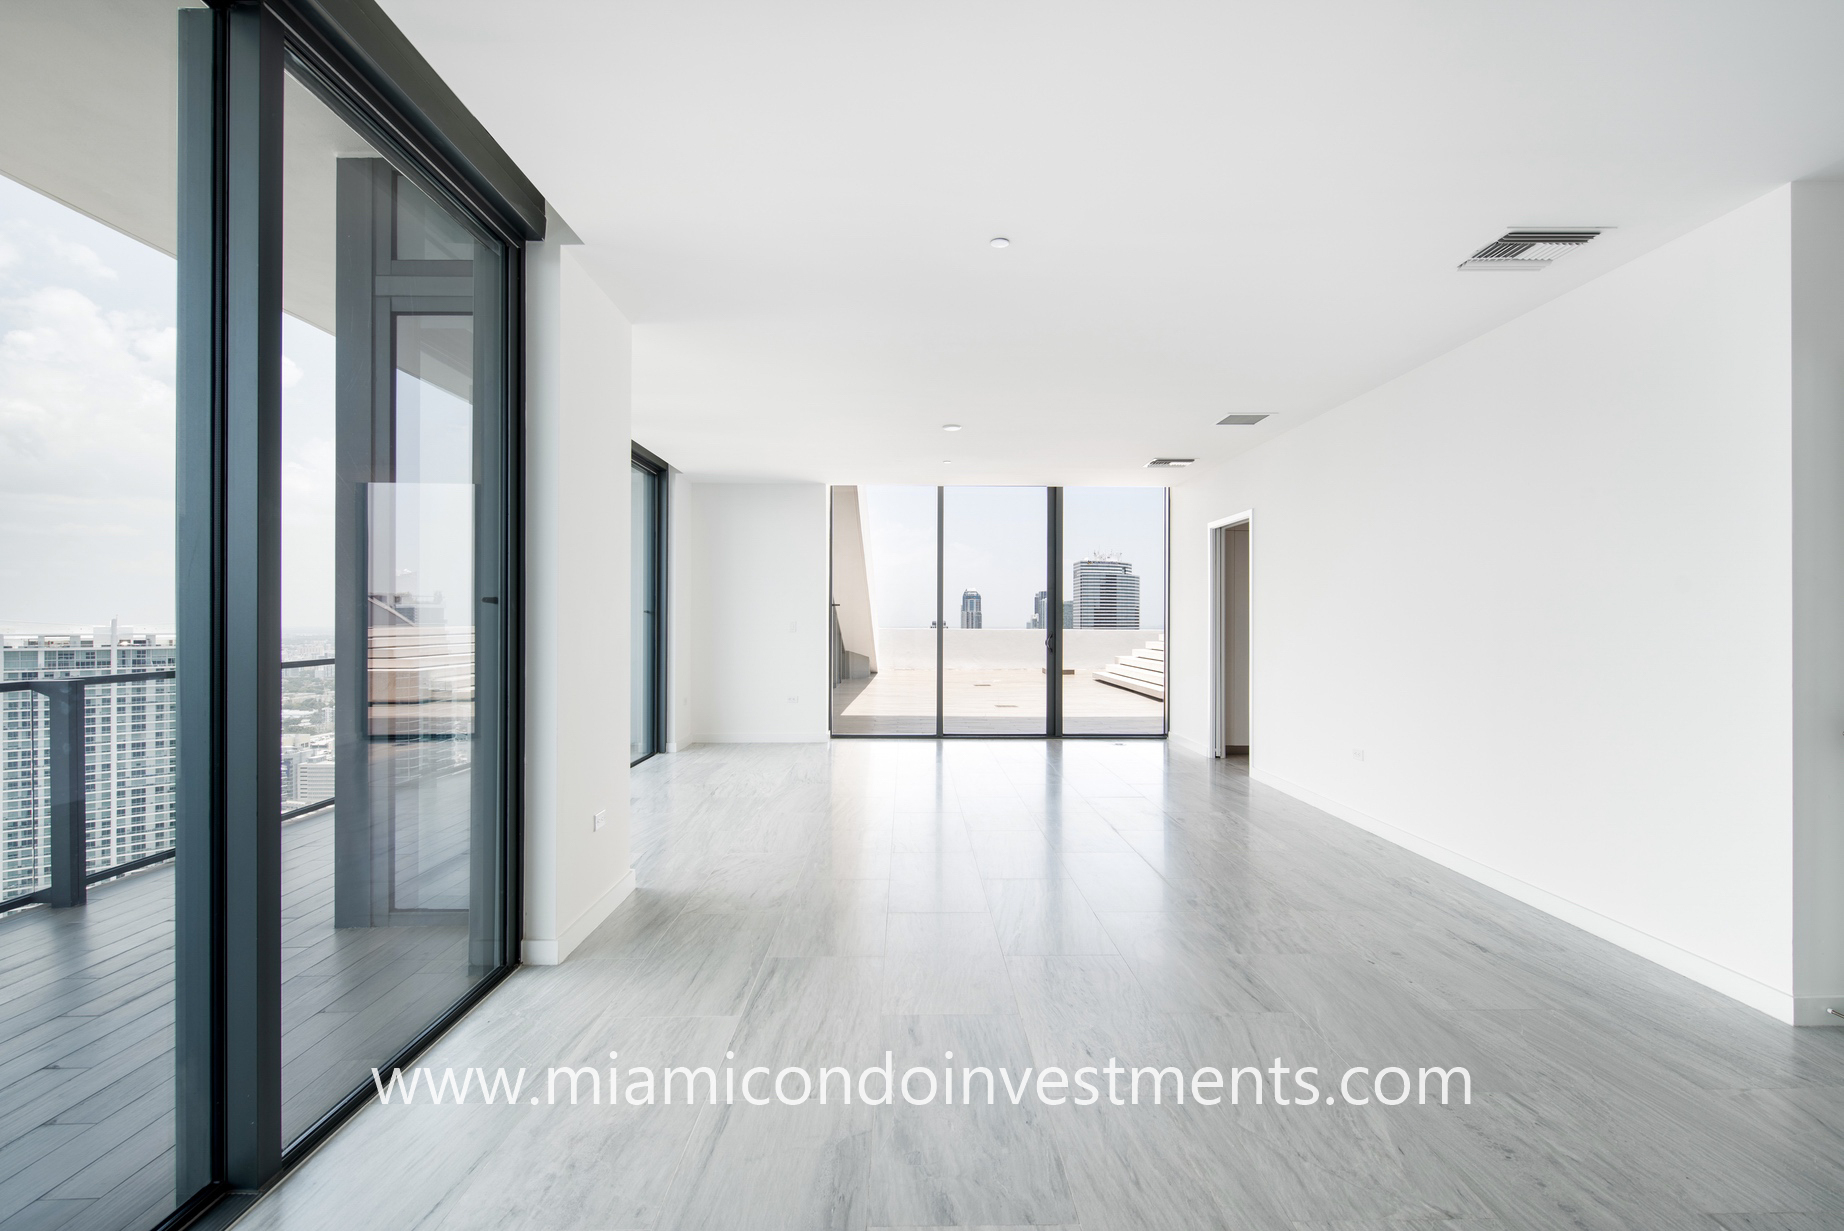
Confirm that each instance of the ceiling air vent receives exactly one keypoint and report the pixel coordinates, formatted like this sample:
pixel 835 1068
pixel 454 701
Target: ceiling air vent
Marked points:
pixel 1530 248
pixel 1240 420
pixel 1169 463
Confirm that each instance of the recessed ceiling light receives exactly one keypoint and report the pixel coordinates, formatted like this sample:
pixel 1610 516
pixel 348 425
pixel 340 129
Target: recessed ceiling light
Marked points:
pixel 1240 420
pixel 946 462
pixel 999 241
pixel 1169 463
pixel 950 427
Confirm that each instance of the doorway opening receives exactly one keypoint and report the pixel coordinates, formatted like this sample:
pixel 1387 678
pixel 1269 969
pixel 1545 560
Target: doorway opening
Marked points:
pixel 1229 594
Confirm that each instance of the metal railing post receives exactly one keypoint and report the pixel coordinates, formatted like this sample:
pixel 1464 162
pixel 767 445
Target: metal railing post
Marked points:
pixel 69 813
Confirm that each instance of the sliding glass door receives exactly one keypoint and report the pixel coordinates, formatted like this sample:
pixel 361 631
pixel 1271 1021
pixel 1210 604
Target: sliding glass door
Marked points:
pixel 261 631
pixel 1000 611
pixel 392 329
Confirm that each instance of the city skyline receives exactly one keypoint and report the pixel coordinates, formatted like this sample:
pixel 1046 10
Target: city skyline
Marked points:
pixel 994 540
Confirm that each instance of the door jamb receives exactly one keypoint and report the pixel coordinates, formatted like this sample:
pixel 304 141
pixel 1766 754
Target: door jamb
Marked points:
pixel 1216 541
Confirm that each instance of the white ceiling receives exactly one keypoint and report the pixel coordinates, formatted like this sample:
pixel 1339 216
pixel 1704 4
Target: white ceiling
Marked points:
pixel 1244 205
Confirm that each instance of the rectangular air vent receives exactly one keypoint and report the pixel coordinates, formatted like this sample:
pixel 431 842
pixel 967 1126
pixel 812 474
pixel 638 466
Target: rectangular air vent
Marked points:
pixel 1240 420
pixel 1530 248
pixel 1167 463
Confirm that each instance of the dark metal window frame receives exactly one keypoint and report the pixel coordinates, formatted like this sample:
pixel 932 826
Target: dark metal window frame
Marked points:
pixel 227 942
pixel 656 544
pixel 1053 640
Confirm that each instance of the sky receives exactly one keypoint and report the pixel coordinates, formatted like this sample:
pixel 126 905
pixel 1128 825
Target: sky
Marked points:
pixel 87 347
pixel 87 350
pixel 994 542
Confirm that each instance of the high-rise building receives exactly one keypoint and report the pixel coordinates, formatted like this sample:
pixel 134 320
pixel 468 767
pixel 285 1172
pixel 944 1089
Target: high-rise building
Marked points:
pixel 1040 608
pixel 1106 594
pixel 1069 613
pixel 970 609
pixel 130 754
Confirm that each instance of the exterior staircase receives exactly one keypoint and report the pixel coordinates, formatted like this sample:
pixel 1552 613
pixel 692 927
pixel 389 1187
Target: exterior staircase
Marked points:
pixel 1142 671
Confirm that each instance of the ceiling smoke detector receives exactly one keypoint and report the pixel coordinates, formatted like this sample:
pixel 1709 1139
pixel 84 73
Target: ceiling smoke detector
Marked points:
pixel 1240 420
pixel 1169 463
pixel 1530 247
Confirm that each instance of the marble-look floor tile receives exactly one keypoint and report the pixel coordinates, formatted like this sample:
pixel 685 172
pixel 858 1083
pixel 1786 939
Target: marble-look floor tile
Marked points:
pixel 1045 918
pixel 774 1168
pixel 1120 883
pixel 1032 904
pixel 1184 963
pixel 923 883
pixel 957 983
pixel 587 1168
pixel 811 1011
pixel 965 1164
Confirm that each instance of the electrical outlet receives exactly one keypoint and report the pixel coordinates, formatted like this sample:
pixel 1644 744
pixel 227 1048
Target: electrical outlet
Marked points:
pixel 1357 754
pixel 793 700
pixel 600 819
pixel 793 626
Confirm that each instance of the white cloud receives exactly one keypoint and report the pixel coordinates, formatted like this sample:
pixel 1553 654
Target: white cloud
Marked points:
pixel 82 259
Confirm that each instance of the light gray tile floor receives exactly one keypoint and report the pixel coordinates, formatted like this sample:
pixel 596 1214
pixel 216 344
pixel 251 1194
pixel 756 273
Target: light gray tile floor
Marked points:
pixel 1024 904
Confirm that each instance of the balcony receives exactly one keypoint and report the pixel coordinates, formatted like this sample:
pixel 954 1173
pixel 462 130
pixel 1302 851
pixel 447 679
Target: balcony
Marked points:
pixel 86 957
pixel 86 1026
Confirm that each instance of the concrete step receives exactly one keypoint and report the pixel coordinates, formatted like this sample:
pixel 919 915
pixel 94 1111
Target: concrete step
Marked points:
pixel 1135 671
pixel 1144 688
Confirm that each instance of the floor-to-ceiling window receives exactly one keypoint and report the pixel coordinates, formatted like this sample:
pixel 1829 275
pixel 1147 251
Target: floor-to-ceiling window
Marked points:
pixel 886 610
pixel 1113 583
pixel 994 649
pixel 647 606
pixel 259 598
pixel 998 610
pixel 88 696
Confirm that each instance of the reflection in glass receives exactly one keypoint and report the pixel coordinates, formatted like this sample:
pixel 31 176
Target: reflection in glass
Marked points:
pixel 994 650
pixel 884 610
pixel 388 897
pixel 1113 610
pixel 425 231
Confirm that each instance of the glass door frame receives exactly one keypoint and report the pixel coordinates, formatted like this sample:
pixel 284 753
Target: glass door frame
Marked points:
pixel 1053 640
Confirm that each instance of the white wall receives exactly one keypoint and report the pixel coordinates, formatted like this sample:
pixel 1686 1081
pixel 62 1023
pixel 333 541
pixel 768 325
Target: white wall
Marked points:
pixel 576 601
pixel 750 624
pixel 1818 596
pixel 1543 583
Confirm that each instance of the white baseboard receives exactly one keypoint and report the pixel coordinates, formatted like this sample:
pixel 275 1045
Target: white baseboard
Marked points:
pixel 551 952
pixel 766 737
pixel 1187 743
pixel 1731 983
